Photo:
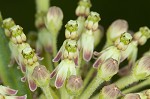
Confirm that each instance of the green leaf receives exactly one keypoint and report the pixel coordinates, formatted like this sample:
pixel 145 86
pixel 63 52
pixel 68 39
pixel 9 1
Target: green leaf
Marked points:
pixel 10 76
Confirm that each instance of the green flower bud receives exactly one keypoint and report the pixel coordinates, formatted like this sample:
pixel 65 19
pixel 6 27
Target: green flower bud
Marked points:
pixel 132 96
pixel 41 75
pixel 54 20
pixel 18 36
pixel 83 8
pixel 141 69
pixel 39 22
pixel 142 35
pixel 92 21
pixel 123 42
pixel 110 92
pixel 7 24
pixel 115 30
pixel 74 85
pixel 71 31
pixel 108 69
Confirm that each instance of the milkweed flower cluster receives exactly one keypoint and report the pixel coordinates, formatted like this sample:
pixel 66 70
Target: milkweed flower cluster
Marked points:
pixel 76 70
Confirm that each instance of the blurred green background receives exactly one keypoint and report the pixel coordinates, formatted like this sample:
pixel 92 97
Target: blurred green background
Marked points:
pixel 136 12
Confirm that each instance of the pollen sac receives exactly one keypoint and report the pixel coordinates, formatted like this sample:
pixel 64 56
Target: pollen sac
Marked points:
pixel 83 8
pixel 123 42
pixel 71 31
pixel 7 24
pixel 142 35
pixel 18 36
pixel 92 21
pixel 29 56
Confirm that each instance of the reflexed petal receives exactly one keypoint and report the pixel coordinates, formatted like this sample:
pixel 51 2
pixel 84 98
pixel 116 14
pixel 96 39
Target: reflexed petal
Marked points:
pixel 23 79
pixel 97 63
pixel 87 55
pixel 62 73
pixel 54 72
pixel 76 59
pixel 8 91
pixel 32 85
pixel 16 97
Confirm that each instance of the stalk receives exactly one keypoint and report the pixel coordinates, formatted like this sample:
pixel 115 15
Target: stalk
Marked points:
pixel 91 88
pixel 126 81
pixel 136 87
pixel 47 92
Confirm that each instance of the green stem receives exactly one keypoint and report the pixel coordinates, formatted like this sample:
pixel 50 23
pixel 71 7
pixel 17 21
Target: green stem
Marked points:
pixel 53 94
pixel 91 88
pixel 137 87
pixel 54 46
pixel 64 93
pixel 126 81
pixel 47 92
pixel 88 77
pixel 96 96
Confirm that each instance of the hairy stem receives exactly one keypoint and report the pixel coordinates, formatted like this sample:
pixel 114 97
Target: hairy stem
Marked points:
pixel 126 81
pixel 136 87
pixel 91 88
pixel 46 91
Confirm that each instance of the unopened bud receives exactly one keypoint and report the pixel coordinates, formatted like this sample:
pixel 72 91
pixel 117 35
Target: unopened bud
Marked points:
pixel 132 96
pixel 32 38
pixel 141 70
pixel 41 75
pixel 123 42
pixel 54 19
pixel 74 85
pixel 108 69
pixel 92 21
pixel 117 28
pixel 7 24
pixel 83 8
pixel 71 30
pixel 109 92
pixel 18 36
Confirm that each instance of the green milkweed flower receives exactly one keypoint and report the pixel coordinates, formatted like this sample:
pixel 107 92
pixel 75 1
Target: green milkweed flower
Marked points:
pixel 92 21
pixel 71 31
pixel 115 30
pixel 65 69
pixel 7 24
pixel 68 50
pixel 83 8
pixel 142 35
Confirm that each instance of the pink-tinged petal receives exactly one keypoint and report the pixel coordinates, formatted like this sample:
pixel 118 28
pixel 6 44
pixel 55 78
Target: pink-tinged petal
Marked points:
pixel 76 61
pixel 9 91
pixel 23 79
pixel 16 97
pixel 54 72
pixel 23 68
pixel 97 63
pixel 58 56
pixel 59 82
pixel 32 85
pixel 87 55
